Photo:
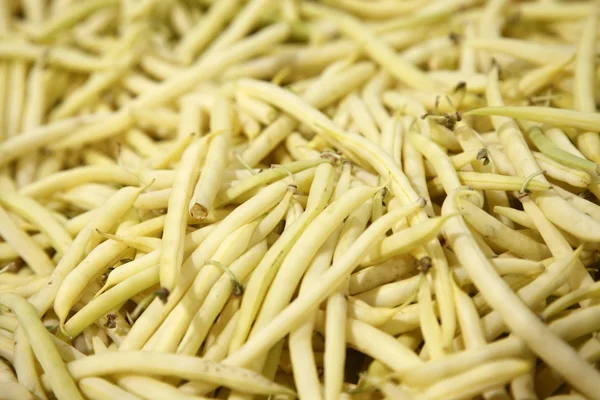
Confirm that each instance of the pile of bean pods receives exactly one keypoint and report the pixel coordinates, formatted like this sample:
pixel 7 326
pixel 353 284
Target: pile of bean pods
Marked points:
pixel 271 199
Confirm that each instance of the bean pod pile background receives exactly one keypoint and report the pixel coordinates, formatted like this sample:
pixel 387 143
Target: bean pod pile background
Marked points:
pixel 270 199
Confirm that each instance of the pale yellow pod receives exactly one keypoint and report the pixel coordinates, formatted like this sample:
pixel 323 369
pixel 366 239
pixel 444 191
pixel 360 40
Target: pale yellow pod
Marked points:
pixel 7 346
pixel 129 269
pixel 374 316
pixel 148 387
pixel 391 294
pixel 478 379
pixel 266 176
pixel 15 391
pixel 60 380
pixel 17 79
pixel 187 367
pixel 562 173
pixel 483 181
pixel 337 304
pixel 101 389
pixel 66 57
pixel 25 364
pixel 472 333
pixel 555 11
pixel 537 78
pixel 552 116
pixel 504 236
pixel 371 95
pixel 585 83
pixel 403 241
pixel 171 256
pixel 110 299
pixel 141 243
pixel 208 185
pixel 76 176
pixel 173 154
pixel 262 112
pixel 27 248
pixel 153 200
pixel 249 127
pixel 217 349
pixel 377 344
pixel 423 375
pixel 362 117
pixel 300 148
pixel 379 274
